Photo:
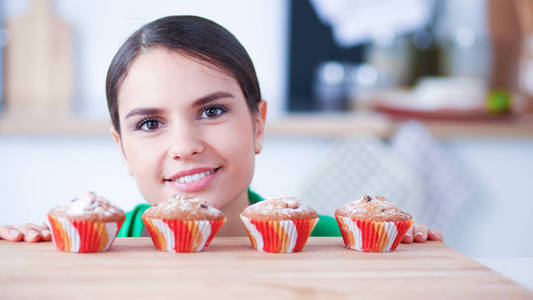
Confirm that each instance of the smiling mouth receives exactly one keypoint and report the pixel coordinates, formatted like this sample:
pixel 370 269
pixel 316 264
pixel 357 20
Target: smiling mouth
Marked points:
pixel 193 177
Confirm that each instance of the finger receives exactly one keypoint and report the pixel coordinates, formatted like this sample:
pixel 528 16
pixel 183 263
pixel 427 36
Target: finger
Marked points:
pixel 32 232
pixel 46 234
pixel 32 235
pixel 421 233
pixel 10 233
pixel 408 237
pixel 435 235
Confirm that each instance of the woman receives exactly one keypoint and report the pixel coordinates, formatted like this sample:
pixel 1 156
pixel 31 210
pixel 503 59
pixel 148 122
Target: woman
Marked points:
pixel 188 117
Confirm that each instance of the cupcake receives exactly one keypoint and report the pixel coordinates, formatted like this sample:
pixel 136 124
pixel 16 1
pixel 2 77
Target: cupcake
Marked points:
pixel 88 223
pixel 182 224
pixel 372 224
pixel 279 224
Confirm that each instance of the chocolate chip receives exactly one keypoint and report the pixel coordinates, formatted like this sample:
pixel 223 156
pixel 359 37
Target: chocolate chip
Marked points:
pixel 203 205
pixel 383 210
pixel 367 198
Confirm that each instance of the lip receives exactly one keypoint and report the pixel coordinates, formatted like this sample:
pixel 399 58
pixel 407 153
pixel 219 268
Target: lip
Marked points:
pixel 189 172
pixel 194 186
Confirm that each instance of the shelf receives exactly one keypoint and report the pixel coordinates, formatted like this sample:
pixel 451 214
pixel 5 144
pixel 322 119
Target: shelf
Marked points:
pixel 331 125
pixel 377 124
pixel 28 124
pixel 338 125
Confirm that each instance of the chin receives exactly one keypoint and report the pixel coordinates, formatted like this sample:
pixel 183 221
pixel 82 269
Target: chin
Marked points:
pixel 217 204
pixel 215 201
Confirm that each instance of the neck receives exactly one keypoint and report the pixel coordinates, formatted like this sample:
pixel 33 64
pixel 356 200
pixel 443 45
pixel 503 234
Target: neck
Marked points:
pixel 234 226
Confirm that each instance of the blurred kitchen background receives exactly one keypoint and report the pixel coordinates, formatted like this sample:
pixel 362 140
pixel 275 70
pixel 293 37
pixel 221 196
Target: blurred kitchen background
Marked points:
pixel 425 102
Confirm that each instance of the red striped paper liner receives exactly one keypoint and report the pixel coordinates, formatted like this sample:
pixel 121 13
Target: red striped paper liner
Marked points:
pixel 182 236
pixel 279 236
pixel 83 236
pixel 372 236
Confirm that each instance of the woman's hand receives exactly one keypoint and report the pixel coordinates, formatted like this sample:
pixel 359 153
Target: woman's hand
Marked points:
pixel 420 234
pixel 28 233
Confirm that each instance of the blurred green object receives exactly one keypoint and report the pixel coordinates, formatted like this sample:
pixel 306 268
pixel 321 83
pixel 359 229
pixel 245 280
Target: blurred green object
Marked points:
pixel 498 101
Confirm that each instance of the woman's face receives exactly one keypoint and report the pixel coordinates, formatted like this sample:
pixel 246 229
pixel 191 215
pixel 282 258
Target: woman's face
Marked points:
pixel 186 128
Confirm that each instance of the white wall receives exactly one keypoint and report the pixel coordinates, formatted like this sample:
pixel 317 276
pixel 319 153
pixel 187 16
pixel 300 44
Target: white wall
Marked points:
pixel 101 26
pixel 37 173
pixel 496 222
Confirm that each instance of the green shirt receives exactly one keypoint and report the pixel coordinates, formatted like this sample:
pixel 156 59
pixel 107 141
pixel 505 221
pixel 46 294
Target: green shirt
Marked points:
pixel 133 225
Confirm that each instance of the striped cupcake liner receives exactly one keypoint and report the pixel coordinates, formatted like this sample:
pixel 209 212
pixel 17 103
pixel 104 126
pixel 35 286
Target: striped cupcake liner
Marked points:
pixel 284 236
pixel 83 236
pixel 372 236
pixel 182 236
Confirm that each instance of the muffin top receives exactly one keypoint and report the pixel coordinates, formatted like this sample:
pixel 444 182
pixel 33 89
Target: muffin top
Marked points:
pixel 89 207
pixel 184 207
pixel 373 209
pixel 279 208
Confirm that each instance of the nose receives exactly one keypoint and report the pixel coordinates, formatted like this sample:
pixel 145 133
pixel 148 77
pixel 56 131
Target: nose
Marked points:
pixel 185 143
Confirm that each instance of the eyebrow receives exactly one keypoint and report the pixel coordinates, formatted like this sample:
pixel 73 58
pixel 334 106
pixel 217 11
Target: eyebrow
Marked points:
pixel 142 111
pixel 212 97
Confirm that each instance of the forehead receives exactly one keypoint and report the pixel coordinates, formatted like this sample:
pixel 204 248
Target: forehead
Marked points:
pixel 161 74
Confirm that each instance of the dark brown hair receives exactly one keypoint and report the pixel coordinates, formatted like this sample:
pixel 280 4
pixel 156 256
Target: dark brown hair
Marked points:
pixel 194 36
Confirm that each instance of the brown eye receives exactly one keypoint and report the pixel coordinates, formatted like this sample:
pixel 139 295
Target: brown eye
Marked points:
pixel 149 125
pixel 213 111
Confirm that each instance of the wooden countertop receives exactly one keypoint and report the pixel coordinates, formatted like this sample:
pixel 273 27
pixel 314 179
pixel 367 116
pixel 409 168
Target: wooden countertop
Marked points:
pixel 230 268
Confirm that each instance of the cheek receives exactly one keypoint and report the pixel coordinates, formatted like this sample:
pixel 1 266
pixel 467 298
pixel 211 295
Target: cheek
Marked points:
pixel 144 161
pixel 235 144
pixel 138 155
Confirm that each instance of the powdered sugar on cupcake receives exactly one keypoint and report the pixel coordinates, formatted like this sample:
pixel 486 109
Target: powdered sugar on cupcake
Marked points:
pixel 88 206
pixel 375 208
pixel 186 207
pixel 279 207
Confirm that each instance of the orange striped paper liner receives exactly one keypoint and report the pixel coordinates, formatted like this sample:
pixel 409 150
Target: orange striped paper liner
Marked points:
pixel 83 236
pixel 180 235
pixel 372 236
pixel 279 236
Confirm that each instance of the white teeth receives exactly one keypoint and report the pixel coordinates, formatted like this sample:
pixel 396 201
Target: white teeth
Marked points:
pixel 194 177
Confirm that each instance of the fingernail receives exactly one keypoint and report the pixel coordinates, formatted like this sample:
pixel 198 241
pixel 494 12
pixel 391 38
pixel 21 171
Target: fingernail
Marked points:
pixel 32 233
pixel 432 232
pixel 45 232
pixel 419 233
pixel 14 232
pixel 408 234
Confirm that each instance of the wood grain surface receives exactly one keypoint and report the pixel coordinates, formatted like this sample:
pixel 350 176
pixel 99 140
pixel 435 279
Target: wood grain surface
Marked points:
pixel 230 268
